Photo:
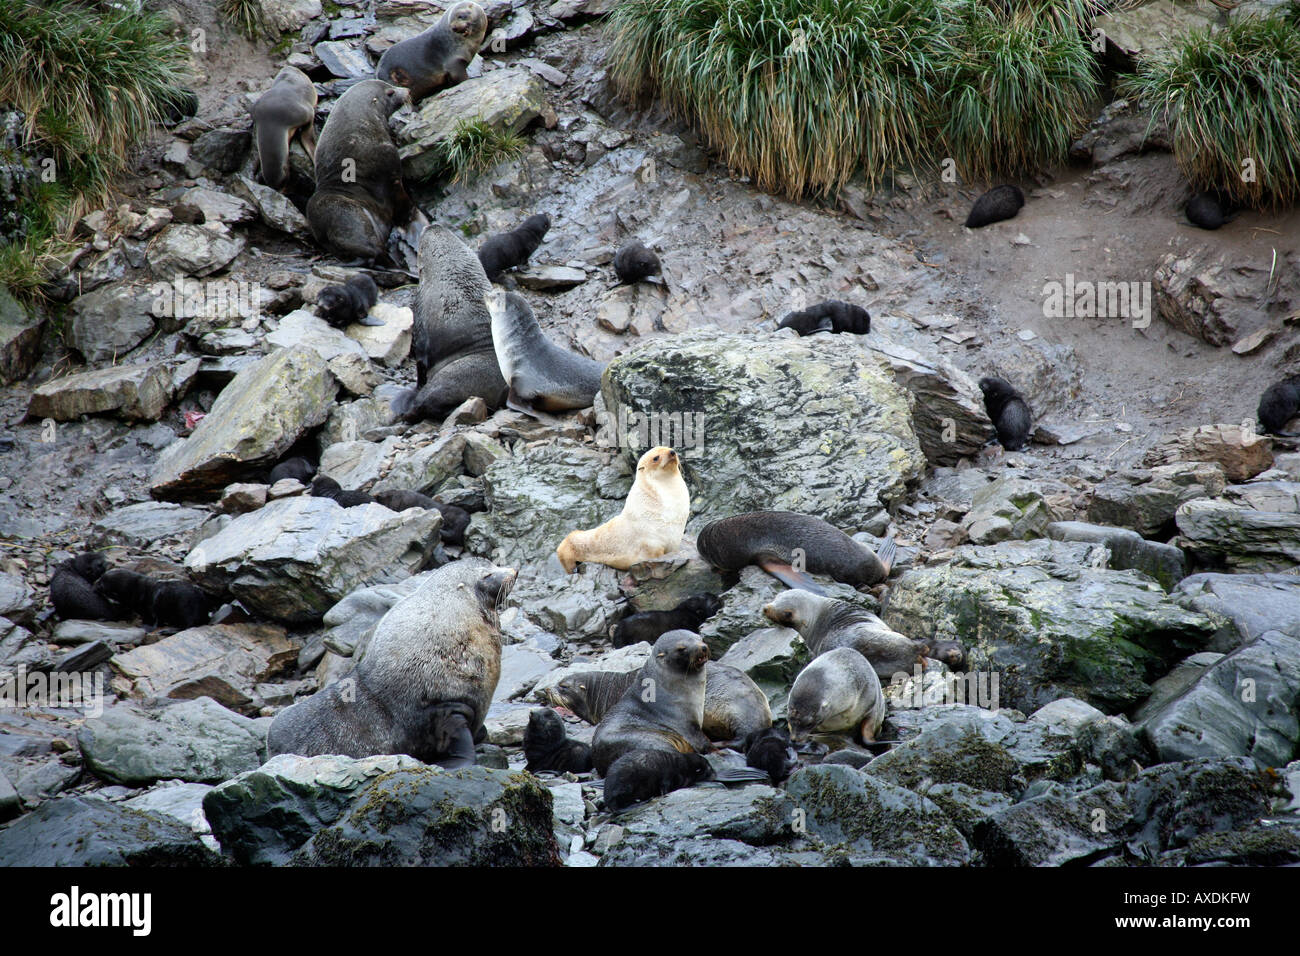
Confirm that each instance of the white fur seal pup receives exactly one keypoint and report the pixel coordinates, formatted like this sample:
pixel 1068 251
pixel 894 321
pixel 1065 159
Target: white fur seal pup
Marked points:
pixel 540 373
pixel 650 525
pixel 426 680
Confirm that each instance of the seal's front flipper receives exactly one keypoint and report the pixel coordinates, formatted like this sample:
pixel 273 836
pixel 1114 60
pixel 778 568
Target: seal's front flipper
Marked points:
pixel 741 775
pixel 460 753
pixel 790 577
pixel 888 554
pixel 369 319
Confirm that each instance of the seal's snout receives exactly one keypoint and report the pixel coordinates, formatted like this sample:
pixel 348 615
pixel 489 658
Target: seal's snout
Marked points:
pixel 494 586
pixel 701 656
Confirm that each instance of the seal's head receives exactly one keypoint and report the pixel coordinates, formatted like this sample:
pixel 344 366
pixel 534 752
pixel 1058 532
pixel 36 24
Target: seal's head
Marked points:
pixel 703 606
pixel 681 651
pixel 996 389
pixel 469 20
pixel 794 608
pixel 545 730
pixel 659 462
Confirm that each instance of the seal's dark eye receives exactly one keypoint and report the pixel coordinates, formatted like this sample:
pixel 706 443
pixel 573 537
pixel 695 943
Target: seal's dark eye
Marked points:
pixel 656 457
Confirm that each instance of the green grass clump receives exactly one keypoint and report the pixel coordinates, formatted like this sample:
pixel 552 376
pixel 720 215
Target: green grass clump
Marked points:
pixel 245 16
pixel 1230 96
pixel 474 147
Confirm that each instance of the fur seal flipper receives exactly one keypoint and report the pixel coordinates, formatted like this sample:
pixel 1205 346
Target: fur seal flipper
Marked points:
pixel 773 537
pixel 537 370
pixel 999 203
pixel 507 250
pixel 1008 411
pixel 789 576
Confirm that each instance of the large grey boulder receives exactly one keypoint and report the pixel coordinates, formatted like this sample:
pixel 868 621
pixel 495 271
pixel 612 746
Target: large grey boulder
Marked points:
pixel 20 338
pixel 134 392
pixel 1252 528
pixel 1254 603
pixel 1128 550
pixel 110 321
pixel 1146 501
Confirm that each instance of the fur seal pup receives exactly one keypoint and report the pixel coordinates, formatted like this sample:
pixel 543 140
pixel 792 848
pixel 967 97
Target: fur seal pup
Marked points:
pixel 426 680
pixel 648 625
pixel 540 373
pixel 451 340
pixel 323 486
pixel 830 316
pixel 359 195
pixel 286 109
pixel 999 203
pixel 826 623
pixel 506 250
pixel 1209 210
pixel 166 603
pixel 548 747
pixel 646 774
pixel 299 469
pixel 636 261
pixel 454 520
pixel 663 708
pixel 72 589
pixel 770 750
pixel 650 525
pixel 770 538
pixel 341 305
pixel 1008 411
pixel 838 692
pixel 438 57
pixel 1278 405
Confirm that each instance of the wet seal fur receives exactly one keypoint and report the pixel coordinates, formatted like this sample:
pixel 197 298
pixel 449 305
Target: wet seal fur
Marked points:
pixel 650 525
pixel 769 538
pixel 1278 405
pixel 451 340
pixel 72 589
pixel 636 261
pixel 438 57
pixel 999 203
pixel 352 217
pixel 1008 411
pixel 540 373
pixel 425 683
pixel 167 603
pixel 287 109
pixel 838 692
pixel 649 625
pixel 342 305
pixel 547 746
pixel 826 623
pixel 831 316
pixel 507 250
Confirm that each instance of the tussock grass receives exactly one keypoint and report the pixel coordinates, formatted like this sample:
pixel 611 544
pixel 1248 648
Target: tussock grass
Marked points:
pixel 245 16
pixel 1230 96
pixel 474 147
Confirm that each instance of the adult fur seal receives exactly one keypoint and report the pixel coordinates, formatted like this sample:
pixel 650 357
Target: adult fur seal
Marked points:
pixel 1008 411
pixel 770 538
pixel 548 747
pixel 506 250
pixel 286 109
pixel 646 774
pixel 1278 405
pixel 72 589
pixel 540 373
pixel 636 261
pixel 426 680
pixel 826 623
pixel 648 625
pixel 838 692
pixel 341 305
pixel 999 203
pixel 451 340
pixel 438 57
pixel 168 603
pixel 359 195
pixel 831 316
pixel 650 525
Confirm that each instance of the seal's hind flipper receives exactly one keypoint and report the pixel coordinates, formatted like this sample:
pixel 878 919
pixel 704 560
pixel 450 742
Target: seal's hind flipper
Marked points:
pixel 790 577
pixel 888 554
pixel 741 775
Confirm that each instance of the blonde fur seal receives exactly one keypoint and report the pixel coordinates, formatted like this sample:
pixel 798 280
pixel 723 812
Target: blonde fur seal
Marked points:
pixel 650 525
pixel 286 109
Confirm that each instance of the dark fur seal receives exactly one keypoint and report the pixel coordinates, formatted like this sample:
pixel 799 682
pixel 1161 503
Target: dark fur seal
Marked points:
pixel 1209 210
pixel 286 109
pixel 166 603
pixel 426 680
pixel 999 203
pixel 838 692
pixel 831 316
pixel 636 261
pixel 451 341
pixel 648 625
pixel 770 750
pixel 591 694
pixel 360 195
pixel 769 539
pixel 341 305
pixel 645 774
pixel 454 520
pixel 540 373
pixel 438 57
pixel 1008 411
pixel 827 623
pixel 323 486
pixel 1278 405
pixel 72 589
pixel 506 250
pixel 299 469
pixel 548 747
